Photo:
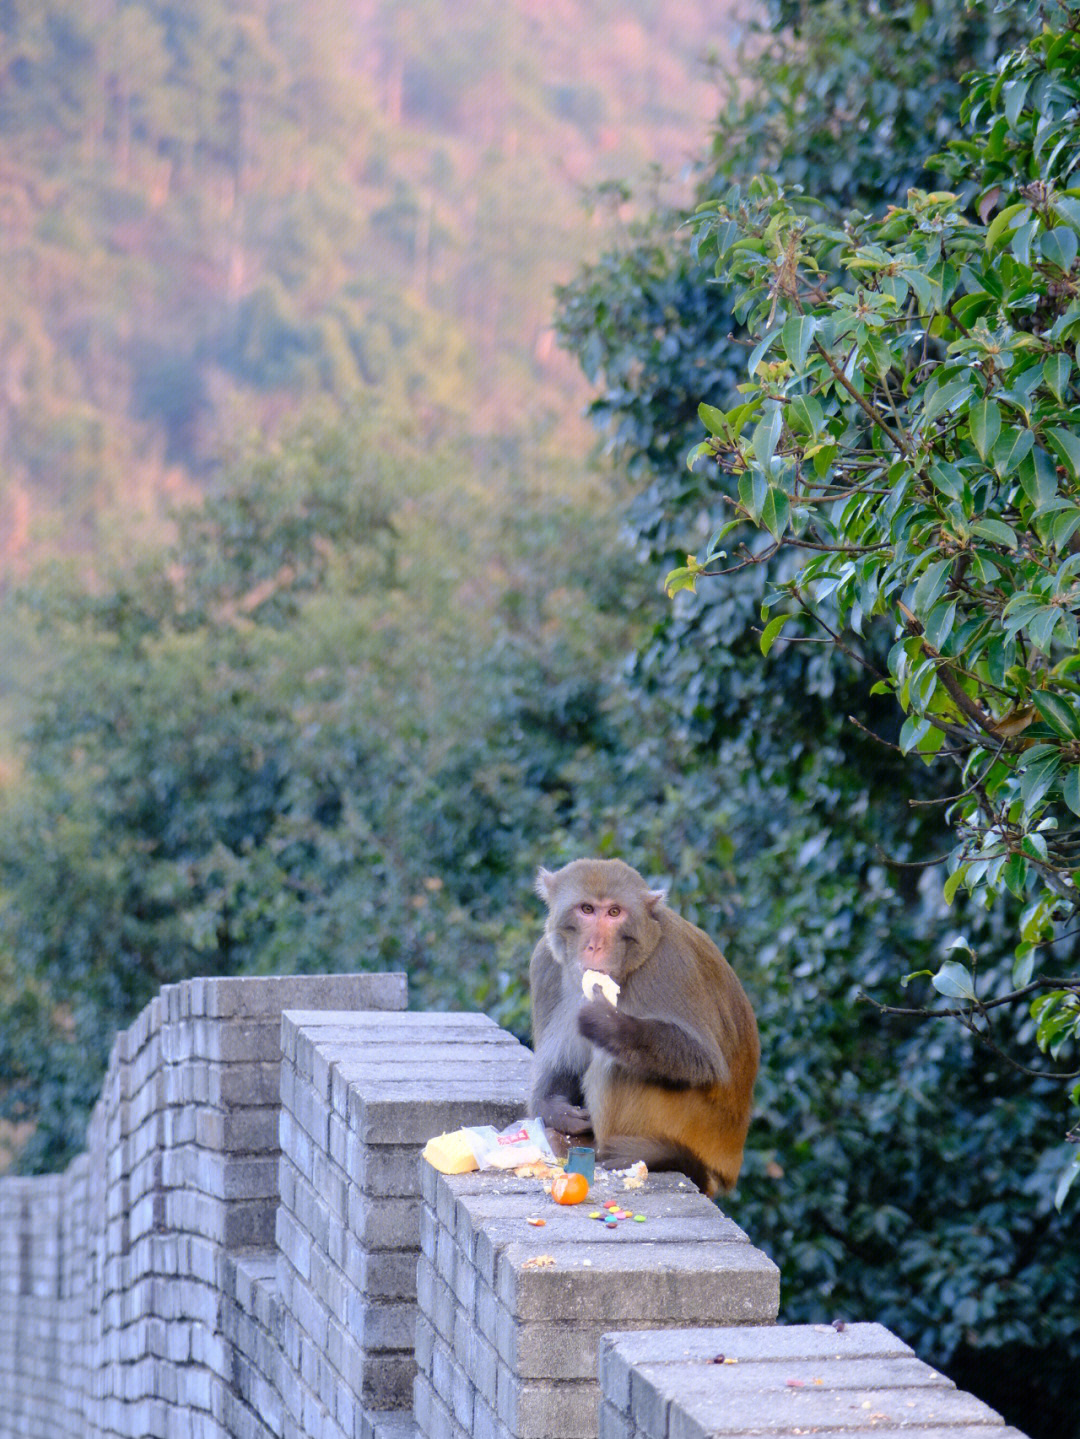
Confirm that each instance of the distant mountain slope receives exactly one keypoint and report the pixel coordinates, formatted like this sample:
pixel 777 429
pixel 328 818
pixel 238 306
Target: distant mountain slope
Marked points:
pixel 211 213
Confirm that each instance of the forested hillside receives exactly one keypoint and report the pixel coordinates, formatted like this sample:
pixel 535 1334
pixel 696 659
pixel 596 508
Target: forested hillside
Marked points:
pixel 213 213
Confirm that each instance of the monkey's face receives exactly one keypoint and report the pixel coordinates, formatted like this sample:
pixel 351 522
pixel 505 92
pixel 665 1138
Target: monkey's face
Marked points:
pixel 600 916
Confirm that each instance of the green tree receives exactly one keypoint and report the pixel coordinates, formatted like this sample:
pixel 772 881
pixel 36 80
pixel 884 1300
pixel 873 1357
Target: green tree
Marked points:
pixel 907 437
pixel 331 726
pixel 894 1170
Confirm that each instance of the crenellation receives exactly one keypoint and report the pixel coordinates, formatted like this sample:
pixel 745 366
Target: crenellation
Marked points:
pixel 251 1248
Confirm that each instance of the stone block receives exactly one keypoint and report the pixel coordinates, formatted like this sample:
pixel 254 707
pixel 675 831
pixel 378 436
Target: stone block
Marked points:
pixel 384 1171
pixel 855 1380
pixel 668 1284
pixel 614 1424
pixel 413 1111
pixel 547 1409
pixel 384 1223
pixel 387 1424
pixel 226 998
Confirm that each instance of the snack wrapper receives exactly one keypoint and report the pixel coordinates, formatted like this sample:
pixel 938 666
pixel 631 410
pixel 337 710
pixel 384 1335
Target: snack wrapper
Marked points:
pixel 523 1142
pixel 484 1147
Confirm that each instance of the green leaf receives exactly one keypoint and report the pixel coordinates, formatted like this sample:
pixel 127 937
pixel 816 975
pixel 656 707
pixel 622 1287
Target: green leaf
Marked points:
pixel 771 631
pixel 1001 222
pixel 985 420
pixel 684 578
pixel 1036 780
pixel 912 731
pixel 1011 447
pixel 1020 244
pixel 1038 477
pixel 923 288
pixel 1065 526
pixel 796 337
pixel 1014 875
pixel 1057 712
pixel 930 585
pixel 948 479
pixel 949 396
pixel 776 512
pixel 805 414
pixel 1068 208
pixel 753 489
pixel 996 530
pixel 952 884
pixel 1059 247
pixel 954 981
pixel 1056 372
pixel 1067 445
pixel 1070 788
pixel 939 623
pixel 714 420
pixel 759 350
pixel 766 436
pixel 1015 93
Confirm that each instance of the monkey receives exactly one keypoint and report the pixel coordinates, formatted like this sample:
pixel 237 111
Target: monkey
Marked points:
pixel 666 1074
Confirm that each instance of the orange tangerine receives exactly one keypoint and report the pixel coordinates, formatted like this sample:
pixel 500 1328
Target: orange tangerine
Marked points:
pixel 569 1188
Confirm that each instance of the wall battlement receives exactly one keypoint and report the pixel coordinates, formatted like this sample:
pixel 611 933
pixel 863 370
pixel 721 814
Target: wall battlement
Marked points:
pixel 251 1248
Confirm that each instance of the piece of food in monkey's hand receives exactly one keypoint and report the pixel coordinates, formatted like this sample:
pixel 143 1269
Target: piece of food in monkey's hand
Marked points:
pixel 595 979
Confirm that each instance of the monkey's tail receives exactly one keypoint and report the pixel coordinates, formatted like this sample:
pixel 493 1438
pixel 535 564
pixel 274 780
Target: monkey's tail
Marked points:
pixel 621 1150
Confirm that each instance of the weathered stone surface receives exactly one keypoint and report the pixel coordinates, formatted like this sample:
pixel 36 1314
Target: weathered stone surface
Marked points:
pixel 124 1308
pixel 852 1380
pixel 513 1310
pixel 251 1248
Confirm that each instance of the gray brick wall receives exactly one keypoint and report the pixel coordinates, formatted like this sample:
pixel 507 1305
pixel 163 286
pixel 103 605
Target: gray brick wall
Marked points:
pixel 508 1348
pixel 252 1247
pixel 855 1381
pixel 361 1094
pixel 112 1273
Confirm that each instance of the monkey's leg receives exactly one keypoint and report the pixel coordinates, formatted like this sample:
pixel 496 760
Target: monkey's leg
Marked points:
pixel 619 1151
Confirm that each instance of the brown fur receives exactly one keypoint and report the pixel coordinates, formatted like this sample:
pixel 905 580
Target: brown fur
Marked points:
pixel 667 1075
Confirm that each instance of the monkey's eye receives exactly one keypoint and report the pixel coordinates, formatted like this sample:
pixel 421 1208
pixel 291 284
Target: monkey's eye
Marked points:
pixel 587 909
pixel 614 911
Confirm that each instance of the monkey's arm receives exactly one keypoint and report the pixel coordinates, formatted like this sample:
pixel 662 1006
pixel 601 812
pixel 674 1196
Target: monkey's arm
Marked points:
pixel 560 1059
pixel 659 1051
pixel 556 1097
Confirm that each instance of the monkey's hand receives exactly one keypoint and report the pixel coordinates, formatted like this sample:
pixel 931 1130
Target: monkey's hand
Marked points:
pixel 656 1050
pixel 603 1025
pixel 563 1117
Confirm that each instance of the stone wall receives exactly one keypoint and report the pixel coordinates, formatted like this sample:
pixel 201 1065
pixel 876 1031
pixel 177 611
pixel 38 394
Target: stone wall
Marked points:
pixel 512 1312
pixel 251 1247
pixel 111 1272
pixel 851 1380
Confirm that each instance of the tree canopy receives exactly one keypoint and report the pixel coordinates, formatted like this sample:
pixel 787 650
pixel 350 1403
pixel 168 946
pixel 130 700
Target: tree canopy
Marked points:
pixel 893 1161
pixel 907 442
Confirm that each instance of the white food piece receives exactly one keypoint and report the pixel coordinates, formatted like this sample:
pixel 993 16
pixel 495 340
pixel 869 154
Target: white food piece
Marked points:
pixel 635 1176
pixel 593 980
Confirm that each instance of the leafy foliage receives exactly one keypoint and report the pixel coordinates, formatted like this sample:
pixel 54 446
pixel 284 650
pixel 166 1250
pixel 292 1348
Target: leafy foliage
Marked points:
pixel 894 1169
pixel 907 434
pixel 307 738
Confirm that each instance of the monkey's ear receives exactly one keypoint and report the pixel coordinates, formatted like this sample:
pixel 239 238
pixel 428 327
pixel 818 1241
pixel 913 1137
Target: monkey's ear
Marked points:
pixel 545 880
pixel 654 898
